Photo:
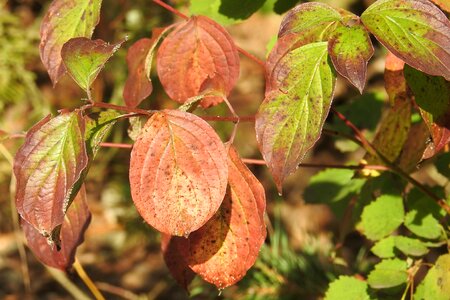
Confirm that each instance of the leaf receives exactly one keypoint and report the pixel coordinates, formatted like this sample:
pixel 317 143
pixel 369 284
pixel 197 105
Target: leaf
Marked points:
pixel 175 262
pixel 432 95
pixel 416 31
pixel 385 247
pixel 334 187
pixel 382 216
pixel 75 224
pixel 307 18
pixel 423 215
pixel 139 59
pixel 414 147
pixel 410 246
pixel 85 58
pixel 350 50
pixel 47 168
pixel 225 12
pixel 178 172
pixel 97 129
pixel 436 284
pixel 349 288
pixel 388 273
pixel 226 247
pixel 394 79
pixel 198 55
pixel 65 19
pixel 290 119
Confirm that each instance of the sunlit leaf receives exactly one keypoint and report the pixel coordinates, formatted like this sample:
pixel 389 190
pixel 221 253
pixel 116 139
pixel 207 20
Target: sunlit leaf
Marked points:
pixel 198 55
pixel 65 19
pixel 382 216
pixel 47 168
pixel 226 247
pixel 443 4
pixel 350 50
pixel 178 172
pixel 98 128
pixel 384 248
pixel 416 31
pixel 85 58
pixel 410 246
pixel 436 284
pixel 349 288
pixel 290 119
pixel 388 273
pixel 72 231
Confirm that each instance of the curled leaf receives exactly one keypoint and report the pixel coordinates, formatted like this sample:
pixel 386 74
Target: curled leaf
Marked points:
pixel 65 19
pixel 198 52
pixel 85 58
pixel 48 167
pixel 416 31
pixel 72 235
pixel 226 247
pixel 178 172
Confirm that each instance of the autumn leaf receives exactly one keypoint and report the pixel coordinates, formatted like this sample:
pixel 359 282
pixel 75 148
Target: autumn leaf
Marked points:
pixel 196 52
pixel 290 119
pixel 178 172
pixel 85 58
pixel 48 167
pixel 65 19
pixel 443 4
pixel 75 224
pixel 416 31
pixel 350 50
pixel 432 95
pixel 226 247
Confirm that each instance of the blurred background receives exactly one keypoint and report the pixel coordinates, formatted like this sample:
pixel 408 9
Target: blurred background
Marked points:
pixel 309 244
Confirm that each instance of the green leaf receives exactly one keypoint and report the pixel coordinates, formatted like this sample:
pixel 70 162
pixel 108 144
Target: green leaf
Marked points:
pixel 334 187
pixel 388 273
pixel 382 216
pixel 423 215
pixel 65 19
pixel 290 119
pixel 350 50
pixel 348 288
pixel 416 31
pixel 225 12
pixel 384 248
pixel 48 168
pixel 410 247
pixel 97 129
pixel 85 58
pixel 442 164
pixel 436 285
pixel 311 18
pixel 432 95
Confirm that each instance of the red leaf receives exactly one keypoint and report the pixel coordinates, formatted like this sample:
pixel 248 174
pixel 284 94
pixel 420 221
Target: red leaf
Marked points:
pixel 196 51
pixel 175 261
pixel 139 59
pixel 443 4
pixel 47 168
pixel 72 235
pixel 226 247
pixel 178 172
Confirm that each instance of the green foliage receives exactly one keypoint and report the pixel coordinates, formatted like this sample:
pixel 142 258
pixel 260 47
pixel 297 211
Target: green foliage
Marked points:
pixel 436 284
pixel 382 216
pixel 388 273
pixel 348 288
pixel 384 248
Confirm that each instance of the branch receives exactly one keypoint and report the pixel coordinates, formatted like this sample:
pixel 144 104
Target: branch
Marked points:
pixel 392 166
pixel 180 14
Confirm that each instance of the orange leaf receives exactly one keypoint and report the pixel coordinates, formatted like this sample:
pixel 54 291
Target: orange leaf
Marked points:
pixel 225 248
pixel 178 172
pixel 198 51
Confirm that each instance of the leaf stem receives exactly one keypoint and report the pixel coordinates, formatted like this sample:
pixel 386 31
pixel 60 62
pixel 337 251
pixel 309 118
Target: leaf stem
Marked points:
pixel 392 166
pixel 309 165
pixel 87 280
pixel 180 14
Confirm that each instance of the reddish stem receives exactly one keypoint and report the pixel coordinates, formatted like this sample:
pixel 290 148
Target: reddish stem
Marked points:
pixel 180 14
pixel 116 145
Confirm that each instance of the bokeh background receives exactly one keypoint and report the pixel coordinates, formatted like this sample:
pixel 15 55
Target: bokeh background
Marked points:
pixel 308 243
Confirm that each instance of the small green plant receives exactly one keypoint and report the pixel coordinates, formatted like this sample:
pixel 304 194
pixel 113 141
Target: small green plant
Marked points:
pixel 196 190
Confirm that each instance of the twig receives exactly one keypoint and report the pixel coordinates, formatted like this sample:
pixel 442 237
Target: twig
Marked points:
pixel 236 123
pixel 118 107
pixel 392 166
pixel 87 280
pixel 116 145
pixel 180 14
pixel 62 279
